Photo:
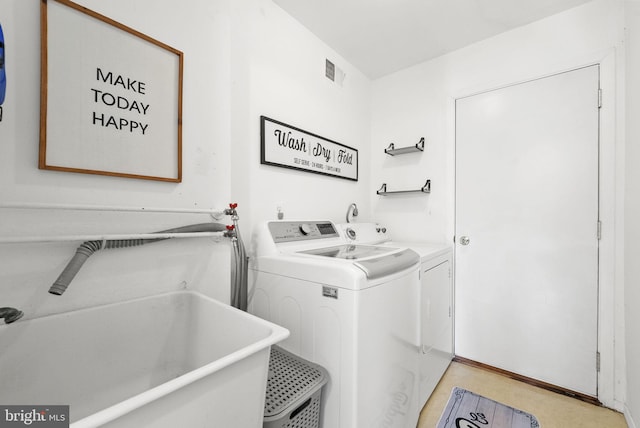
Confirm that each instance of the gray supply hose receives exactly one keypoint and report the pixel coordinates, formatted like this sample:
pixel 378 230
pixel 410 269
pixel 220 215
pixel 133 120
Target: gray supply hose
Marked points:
pixel 86 249
pixel 239 275
pixel 239 282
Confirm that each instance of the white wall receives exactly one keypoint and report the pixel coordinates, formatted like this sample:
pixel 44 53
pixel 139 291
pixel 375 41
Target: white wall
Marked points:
pixel 242 59
pixel 27 271
pixel 206 114
pixel 247 58
pixel 632 211
pixel 281 76
pixel 419 101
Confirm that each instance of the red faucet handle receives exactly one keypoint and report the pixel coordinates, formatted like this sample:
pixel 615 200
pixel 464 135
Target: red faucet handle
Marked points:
pixel 231 227
pixel 233 205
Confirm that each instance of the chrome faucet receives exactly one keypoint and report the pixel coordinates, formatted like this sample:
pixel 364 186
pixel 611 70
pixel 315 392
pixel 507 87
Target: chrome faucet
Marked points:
pixel 10 314
pixel 352 212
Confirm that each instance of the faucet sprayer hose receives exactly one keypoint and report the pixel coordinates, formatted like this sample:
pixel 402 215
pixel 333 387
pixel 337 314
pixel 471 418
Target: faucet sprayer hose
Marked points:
pixel 86 249
pixel 10 314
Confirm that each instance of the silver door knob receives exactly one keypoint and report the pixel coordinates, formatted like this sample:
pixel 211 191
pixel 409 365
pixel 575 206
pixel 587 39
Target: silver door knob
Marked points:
pixel 464 240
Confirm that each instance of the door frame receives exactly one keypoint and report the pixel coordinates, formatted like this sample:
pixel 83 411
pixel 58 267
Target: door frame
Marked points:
pixel 610 334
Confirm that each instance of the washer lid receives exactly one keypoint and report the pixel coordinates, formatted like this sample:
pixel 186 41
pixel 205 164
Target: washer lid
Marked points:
pixel 350 251
pixel 387 265
pixel 374 261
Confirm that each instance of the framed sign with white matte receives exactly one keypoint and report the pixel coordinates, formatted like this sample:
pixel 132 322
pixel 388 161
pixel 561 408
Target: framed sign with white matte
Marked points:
pixel 111 97
pixel 286 146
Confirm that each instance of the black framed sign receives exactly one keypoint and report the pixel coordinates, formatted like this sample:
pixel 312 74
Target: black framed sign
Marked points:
pixel 290 147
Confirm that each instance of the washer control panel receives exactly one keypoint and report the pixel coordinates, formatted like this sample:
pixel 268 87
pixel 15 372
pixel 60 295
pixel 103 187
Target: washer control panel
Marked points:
pixel 287 231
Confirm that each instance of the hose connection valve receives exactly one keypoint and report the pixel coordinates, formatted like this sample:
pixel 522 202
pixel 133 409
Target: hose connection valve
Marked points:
pixel 232 210
pixel 231 231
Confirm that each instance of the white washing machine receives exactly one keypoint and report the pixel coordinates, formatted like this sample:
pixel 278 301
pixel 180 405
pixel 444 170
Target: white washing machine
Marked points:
pixel 350 308
pixel 435 328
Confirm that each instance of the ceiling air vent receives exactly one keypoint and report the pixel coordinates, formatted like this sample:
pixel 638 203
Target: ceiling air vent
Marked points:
pixel 333 73
pixel 330 70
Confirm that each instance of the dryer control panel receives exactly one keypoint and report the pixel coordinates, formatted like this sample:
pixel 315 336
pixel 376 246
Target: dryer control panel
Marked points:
pixel 287 231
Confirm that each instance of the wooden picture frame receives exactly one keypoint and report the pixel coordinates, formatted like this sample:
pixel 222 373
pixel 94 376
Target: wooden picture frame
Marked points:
pixel 111 97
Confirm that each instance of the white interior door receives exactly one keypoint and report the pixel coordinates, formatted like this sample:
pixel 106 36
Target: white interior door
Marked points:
pixel 526 271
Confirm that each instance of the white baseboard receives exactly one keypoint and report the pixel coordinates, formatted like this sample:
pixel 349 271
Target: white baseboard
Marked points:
pixel 628 418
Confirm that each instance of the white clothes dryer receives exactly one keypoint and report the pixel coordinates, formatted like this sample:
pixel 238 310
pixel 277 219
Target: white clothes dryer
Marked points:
pixel 350 308
pixel 435 328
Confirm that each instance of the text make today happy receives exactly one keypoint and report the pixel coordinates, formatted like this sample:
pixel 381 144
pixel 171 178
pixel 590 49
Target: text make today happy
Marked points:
pixel 123 113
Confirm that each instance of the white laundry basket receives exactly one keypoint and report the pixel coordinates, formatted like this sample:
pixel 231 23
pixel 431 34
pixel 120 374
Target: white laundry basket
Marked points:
pixel 294 391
